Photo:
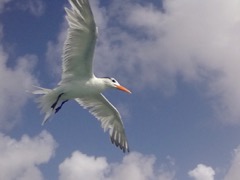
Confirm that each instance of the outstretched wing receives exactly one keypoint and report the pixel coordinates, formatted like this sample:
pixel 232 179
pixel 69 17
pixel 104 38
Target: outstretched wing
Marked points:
pixel 80 43
pixel 110 118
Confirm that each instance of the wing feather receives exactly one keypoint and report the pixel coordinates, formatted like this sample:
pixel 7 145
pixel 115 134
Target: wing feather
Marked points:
pixel 80 43
pixel 109 117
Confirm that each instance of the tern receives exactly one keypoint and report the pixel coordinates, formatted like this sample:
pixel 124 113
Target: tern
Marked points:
pixel 78 81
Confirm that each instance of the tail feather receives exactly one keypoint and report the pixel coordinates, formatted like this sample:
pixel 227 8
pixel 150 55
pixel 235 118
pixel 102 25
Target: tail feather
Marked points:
pixel 40 90
pixel 47 116
pixel 45 101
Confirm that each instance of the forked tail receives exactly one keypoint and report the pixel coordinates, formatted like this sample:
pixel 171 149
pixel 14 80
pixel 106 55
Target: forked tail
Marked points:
pixel 50 102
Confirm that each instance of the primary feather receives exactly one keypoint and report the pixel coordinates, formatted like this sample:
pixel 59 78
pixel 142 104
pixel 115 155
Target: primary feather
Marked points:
pixel 80 43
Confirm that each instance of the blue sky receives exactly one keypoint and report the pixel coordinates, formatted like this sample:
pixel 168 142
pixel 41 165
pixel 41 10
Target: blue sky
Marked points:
pixel 179 58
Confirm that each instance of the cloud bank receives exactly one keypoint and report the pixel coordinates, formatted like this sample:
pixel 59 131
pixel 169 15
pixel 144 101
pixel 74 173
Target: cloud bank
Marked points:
pixel 133 166
pixel 13 94
pixel 14 82
pixel 233 172
pixel 189 40
pixel 20 158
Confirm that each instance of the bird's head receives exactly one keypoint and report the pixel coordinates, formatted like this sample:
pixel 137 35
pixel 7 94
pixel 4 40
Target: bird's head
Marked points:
pixel 111 82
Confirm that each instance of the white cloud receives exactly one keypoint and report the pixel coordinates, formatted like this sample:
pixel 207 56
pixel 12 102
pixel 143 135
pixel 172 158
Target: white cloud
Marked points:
pixel 35 7
pixel 2 4
pixel 81 166
pixel 190 39
pixel 202 172
pixel 141 167
pixel 14 81
pixel 233 172
pixel 133 166
pixel 20 158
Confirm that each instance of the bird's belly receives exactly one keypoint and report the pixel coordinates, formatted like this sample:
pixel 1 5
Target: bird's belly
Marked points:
pixel 79 89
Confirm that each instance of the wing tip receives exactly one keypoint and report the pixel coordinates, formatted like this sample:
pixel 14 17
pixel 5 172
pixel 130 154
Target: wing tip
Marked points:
pixel 124 147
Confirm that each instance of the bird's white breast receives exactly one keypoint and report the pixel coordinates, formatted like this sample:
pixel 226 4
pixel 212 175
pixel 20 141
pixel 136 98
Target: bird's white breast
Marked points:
pixel 76 89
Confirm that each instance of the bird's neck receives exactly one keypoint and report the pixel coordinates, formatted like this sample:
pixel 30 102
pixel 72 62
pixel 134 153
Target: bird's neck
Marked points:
pixel 100 83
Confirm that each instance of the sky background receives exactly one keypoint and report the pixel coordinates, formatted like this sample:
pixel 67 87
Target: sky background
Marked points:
pixel 181 60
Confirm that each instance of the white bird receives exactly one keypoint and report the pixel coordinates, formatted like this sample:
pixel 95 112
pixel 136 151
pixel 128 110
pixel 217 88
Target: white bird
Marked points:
pixel 78 81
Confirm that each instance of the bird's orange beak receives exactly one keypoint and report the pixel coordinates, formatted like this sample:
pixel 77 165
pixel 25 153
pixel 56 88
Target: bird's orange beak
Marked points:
pixel 123 89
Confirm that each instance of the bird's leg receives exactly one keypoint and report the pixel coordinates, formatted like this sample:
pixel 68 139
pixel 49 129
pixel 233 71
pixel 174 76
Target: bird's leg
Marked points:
pixel 54 104
pixel 57 109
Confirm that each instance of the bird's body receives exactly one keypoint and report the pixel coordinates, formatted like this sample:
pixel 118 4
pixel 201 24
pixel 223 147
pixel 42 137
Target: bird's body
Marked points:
pixel 81 88
pixel 78 81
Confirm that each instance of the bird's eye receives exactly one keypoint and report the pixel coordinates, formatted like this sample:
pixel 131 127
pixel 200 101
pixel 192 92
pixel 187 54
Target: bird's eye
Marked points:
pixel 113 80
